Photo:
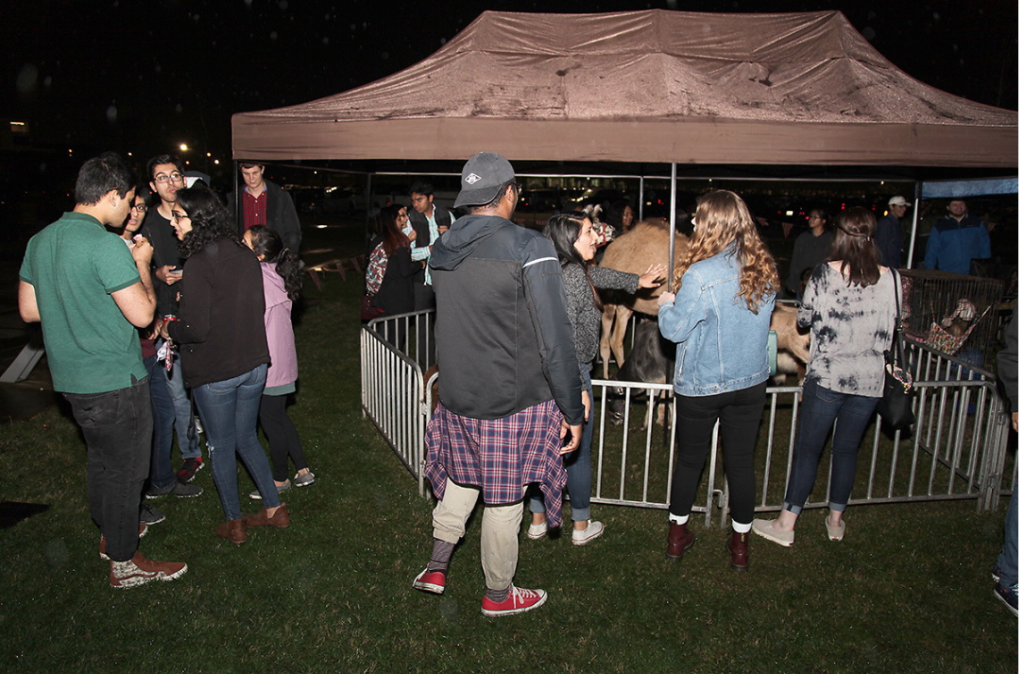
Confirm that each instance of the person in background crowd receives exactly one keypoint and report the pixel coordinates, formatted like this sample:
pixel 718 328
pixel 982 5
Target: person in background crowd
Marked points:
pixel 507 375
pixel 1005 570
pixel 576 245
pixel 810 249
pixel 429 222
pixel 391 272
pixel 91 293
pixel 621 217
pixel 957 239
pixel 850 307
pixel 719 320
pixel 282 281
pixel 889 233
pixel 265 203
pixel 166 178
pixel 223 344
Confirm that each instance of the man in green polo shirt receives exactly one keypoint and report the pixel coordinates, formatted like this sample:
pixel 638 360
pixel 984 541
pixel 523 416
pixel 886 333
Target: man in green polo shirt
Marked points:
pixel 91 294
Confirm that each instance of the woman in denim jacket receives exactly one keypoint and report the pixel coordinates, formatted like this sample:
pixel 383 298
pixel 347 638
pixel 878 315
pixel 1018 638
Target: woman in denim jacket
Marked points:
pixel 719 320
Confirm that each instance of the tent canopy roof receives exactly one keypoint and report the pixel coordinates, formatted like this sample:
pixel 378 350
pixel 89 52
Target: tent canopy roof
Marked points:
pixel 647 86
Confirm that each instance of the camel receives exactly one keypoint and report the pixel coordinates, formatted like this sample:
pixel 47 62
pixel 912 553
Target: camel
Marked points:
pixel 636 250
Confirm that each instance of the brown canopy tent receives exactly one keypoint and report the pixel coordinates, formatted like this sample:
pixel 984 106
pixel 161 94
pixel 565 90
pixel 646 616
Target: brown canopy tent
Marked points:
pixel 647 86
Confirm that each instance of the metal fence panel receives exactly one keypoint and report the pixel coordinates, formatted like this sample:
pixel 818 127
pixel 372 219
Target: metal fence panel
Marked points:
pixel 957 449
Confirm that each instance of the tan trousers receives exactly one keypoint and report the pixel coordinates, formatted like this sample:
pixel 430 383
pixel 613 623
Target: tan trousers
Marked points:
pixel 499 535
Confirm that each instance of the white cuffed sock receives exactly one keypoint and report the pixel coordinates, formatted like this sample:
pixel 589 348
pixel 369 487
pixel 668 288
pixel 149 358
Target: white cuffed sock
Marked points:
pixel 678 519
pixel 741 528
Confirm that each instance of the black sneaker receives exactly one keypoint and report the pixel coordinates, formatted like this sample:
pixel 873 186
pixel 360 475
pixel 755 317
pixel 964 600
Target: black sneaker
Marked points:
pixel 189 469
pixel 149 515
pixel 179 489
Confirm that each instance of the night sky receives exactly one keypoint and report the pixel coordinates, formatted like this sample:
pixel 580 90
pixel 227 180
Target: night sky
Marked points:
pixel 143 77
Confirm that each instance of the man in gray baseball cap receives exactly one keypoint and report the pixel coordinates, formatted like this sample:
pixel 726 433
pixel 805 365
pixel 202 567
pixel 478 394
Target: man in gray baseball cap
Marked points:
pixel 483 176
pixel 509 383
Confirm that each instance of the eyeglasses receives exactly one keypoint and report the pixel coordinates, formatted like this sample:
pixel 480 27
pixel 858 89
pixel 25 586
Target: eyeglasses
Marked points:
pixel 141 208
pixel 177 217
pixel 163 178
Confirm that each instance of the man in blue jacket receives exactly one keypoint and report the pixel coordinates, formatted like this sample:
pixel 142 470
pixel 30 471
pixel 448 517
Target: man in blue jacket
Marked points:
pixel 509 383
pixel 957 239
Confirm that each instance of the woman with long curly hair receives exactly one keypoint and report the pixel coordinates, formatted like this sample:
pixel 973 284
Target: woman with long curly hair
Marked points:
pixel 850 307
pixel 719 321
pixel 224 353
pixel 576 245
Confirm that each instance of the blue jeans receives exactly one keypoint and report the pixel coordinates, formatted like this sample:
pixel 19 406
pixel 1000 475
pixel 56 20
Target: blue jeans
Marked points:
pixel 229 409
pixel 161 474
pixel 1008 556
pixel 577 464
pixel 821 408
pixel 118 428
pixel 184 426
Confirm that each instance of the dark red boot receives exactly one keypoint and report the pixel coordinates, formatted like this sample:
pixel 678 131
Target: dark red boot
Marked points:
pixel 738 546
pixel 680 539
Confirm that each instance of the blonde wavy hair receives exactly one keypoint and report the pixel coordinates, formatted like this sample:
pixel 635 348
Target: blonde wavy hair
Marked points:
pixel 722 221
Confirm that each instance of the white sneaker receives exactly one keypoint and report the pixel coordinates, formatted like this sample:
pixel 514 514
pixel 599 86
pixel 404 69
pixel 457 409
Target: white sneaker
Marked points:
pixel 593 530
pixel 537 531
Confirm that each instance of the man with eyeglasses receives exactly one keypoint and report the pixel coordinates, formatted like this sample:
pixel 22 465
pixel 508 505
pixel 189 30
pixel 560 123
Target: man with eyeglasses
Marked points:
pixel 166 179
pixel 265 203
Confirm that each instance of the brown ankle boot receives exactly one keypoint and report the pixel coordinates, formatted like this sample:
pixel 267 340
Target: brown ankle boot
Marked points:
pixel 233 530
pixel 680 539
pixel 738 546
pixel 281 519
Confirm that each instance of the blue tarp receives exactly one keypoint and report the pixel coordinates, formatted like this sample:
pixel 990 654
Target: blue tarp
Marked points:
pixel 951 189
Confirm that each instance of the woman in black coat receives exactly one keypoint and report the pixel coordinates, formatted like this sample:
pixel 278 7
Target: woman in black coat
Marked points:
pixel 391 271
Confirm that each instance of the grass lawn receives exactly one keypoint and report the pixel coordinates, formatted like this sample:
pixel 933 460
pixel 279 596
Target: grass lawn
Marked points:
pixel 907 591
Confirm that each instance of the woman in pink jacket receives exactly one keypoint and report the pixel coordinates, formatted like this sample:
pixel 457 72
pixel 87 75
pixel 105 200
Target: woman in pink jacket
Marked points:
pixel 282 279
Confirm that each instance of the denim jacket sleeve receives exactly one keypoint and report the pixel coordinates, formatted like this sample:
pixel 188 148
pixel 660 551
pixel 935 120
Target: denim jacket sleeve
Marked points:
pixel 678 319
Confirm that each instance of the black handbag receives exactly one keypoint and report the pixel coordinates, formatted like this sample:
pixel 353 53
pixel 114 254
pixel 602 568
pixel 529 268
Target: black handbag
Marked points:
pixel 896 405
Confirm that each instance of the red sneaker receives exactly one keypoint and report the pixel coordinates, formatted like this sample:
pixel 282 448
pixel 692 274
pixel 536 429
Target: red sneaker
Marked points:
pixel 519 601
pixel 189 468
pixel 139 571
pixel 430 582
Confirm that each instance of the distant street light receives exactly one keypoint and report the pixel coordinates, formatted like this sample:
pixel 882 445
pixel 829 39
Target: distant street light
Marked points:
pixel 183 147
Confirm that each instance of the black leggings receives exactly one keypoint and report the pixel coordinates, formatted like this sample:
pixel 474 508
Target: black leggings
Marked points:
pixel 740 413
pixel 284 439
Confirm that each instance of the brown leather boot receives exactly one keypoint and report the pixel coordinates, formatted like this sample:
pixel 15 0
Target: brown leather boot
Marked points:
pixel 680 539
pixel 281 519
pixel 738 546
pixel 233 530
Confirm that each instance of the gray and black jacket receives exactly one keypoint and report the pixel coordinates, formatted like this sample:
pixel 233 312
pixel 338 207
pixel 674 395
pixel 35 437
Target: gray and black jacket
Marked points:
pixel 504 342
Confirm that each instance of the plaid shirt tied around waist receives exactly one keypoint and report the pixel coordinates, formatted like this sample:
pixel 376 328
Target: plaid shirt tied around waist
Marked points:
pixel 501 456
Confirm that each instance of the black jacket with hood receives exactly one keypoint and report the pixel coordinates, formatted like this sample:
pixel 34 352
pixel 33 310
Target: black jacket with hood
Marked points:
pixel 504 342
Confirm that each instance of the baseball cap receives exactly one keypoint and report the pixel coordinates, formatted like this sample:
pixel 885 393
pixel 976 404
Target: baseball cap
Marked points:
pixel 482 177
pixel 898 201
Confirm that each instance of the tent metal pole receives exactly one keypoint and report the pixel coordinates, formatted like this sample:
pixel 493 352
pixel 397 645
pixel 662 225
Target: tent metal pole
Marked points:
pixel 672 229
pixel 913 227
pixel 367 236
pixel 640 201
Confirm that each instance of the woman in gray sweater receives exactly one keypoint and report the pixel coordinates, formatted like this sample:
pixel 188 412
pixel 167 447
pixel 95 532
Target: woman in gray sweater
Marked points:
pixel 851 307
pixel 576 244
